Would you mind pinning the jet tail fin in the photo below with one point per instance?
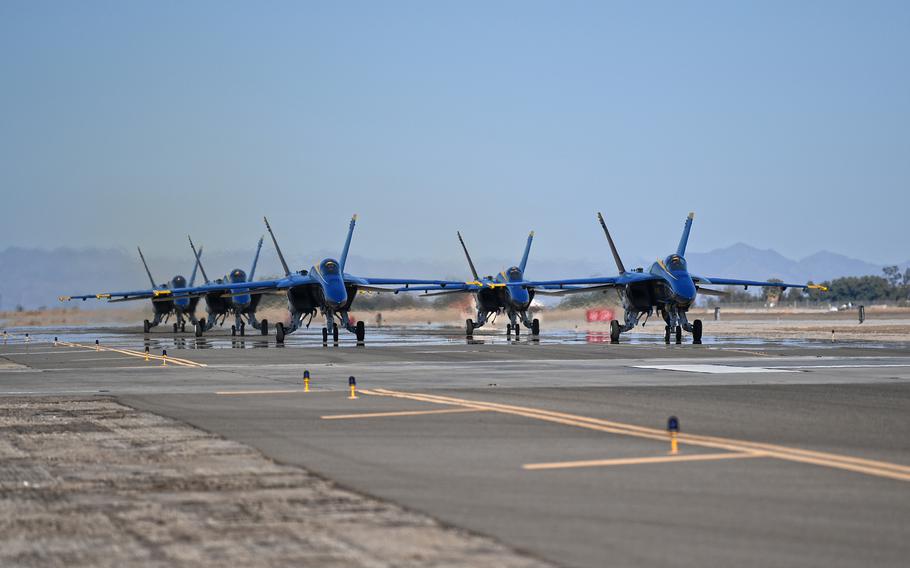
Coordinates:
(284, 265)
(195, 266)
(468, 255)
(147, 271)
(255, 260)
(684, 240)
(347, 243)
(524, 258)
(619, 265)
(198, 255)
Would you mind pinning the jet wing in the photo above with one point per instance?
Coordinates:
(154, 294)
(407, 282)
(758, 283)
(598, 281)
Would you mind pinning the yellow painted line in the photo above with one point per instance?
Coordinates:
(859, 465)
(402, 413)
(637, 461)
(230, 393)
(139, 354)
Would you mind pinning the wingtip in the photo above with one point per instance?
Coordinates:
(531, 234)
(354, 218)
(691, 215)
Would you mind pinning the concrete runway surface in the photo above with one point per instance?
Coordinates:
(791, 453)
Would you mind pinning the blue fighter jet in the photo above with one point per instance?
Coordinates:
(508, 292)
(163, 302)
(324, 288)
(668, 287)
(220, 302)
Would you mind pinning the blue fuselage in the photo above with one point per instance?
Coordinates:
(680, 289)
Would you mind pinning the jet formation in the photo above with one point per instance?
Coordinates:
(667, 288)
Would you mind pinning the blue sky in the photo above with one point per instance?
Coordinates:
(784, 125)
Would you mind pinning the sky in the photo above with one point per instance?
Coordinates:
(784, 125)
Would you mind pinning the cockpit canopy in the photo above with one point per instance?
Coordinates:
(237, 276)
(329, 266)
(514, 274)
(675, 262)
(178, 282)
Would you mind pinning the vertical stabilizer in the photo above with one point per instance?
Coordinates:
(468, 255)
(195, 266)
(619, 265)
(347, 243)
(198, 255)
(524, 257)
(684, 240)
(147, 271)
(255, 260)
(284, 265)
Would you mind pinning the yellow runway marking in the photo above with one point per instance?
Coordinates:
(859, 465)
(637, 461)
(402, 413)
(140, 354)
(229, 393)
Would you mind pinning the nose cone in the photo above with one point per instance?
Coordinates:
(182, 302)
(683, 290)
(241, 301)
(335, 294)
(520, 297)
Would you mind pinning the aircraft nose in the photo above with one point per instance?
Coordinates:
(684, 291)
(335, 295)
(519, 295)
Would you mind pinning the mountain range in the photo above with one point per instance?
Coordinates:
(34, 277)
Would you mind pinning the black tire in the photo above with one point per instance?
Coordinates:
(264, 327)
(517, 330)
(233, 330)
(696, 332)
(335, 334)
(176, 328)
(508, 330)
(183, 327)
(614, 331)
(325, 335)
(667, 334)
(198, 328)
(678, 335)
(361, 331)
(469, 327)
(242, 329)
(146, 326)
(279, 332)
(535, 327)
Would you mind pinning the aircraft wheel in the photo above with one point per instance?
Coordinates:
(335, 333)
(176, 328)
(614, 331)
(264, 327)
(279, 332)
(517, 330)
(242, 329)
(508, 330)
(325, 335)
(678, 335)
(696, 332)
(667, 335)
(361, 331)
(233, 330)
(146, 326)
(183, 327)
(198, 330)
(469, 327)
(535, 326)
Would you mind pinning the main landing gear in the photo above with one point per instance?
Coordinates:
(696, 332)
(279, 332)
(264, 327)
(146, 326)
(360, 331)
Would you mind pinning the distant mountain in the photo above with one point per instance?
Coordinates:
(35, 278)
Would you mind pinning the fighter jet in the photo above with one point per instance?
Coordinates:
(163, 302)
(667, 287)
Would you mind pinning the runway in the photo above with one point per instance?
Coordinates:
(791, 452)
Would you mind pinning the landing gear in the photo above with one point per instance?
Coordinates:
(325, 335)
(146, 326)
(614, 331)
(198, 330)
(508, 330)
(279, 332)
(667, 335)
(678, 335)
(535, 327)
(233, 330)
(335, 334)
(696, 332)
(264, 327)
(517, 331)
(176, 328)
(360, 331)
(242, 329)
(469, 328)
